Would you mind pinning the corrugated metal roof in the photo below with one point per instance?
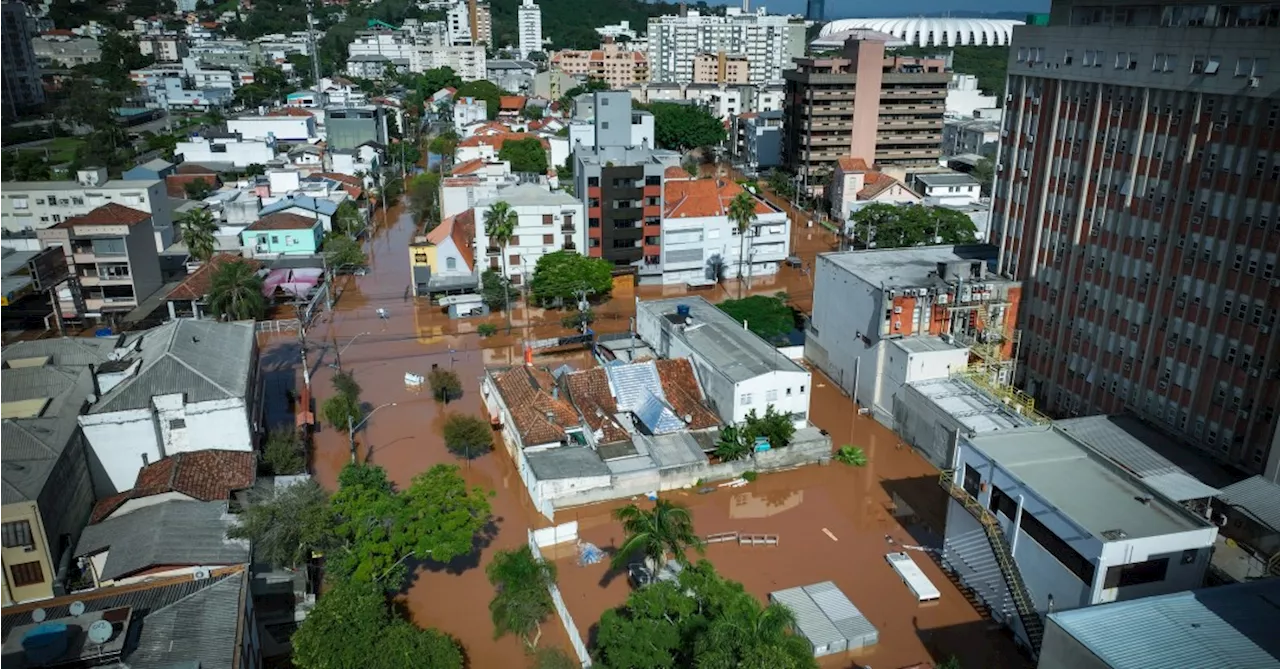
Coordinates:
(1123, 440)
(631, 384)
(846, 617)
(1179, 486)
(1230, 627)
(812, 623)
(657, 416)
(1258, 496)
(170, 533)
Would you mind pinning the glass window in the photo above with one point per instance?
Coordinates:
(27, 573)
(17, 534)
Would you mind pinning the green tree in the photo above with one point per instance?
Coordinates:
(890, 226)
(342, 412)
(766, 316)
(773, 425)
(423, 192)
(348, 220)
(197, 189)
(732, 444)
(340, 251)
(494, 290)
(577, 319)
(683, 127)
(482, 89)
(286, 526)
(742, 213)
(665, 529)
(352, 626)
(499, 225)
(235, 292)
(445, 385)
(344, 383)
(252, 95)
(985, 173)
(284, 453)
(467, 436)
(26, 166)
(522, 596)
(302, 69)
(852, 456)
(558, 277)
(554, 658)
(444, 144)
(748, 635)
(197, 228)
(525, 155)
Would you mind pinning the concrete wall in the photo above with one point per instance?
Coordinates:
(1061, 651)
(843, 307)
(283, 128)
(925, 426)
(40, 553)
(144, 263)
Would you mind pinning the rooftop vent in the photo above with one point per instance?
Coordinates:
(1115, 535)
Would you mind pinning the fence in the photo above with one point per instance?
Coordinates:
(288, 324)
(572, 629)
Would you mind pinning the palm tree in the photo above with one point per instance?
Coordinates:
(522, 600)
(747, 631)
(742, 213)
(667, 528)
(499, 225)
(236, 292)
(197, 228)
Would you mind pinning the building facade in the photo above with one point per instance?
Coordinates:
(111, 251)
(546, 222)
(615, 66)
(700, 245)
(1139, 176)
(768, 42)
(721, 68)
(28, 207)
(529, 26)
(21, 75)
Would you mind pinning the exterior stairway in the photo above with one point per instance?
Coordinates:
(1024, 606)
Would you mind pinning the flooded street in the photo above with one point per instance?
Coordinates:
(896, 495)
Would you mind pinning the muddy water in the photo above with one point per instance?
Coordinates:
(404, 437)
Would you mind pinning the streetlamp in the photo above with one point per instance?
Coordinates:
(351, 429)
(338, 366)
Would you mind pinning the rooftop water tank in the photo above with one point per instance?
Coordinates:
(45, 644)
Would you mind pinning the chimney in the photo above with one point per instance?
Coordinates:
(528, 356)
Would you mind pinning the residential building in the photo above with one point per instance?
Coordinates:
(1227, 626)
(758, 139)
(622, 187)
(48, 493)
(310, 206)
(472, 182)
(21, 74)
(467, 111)
(855, 185)
(970, 135)
(238, 152)
(595, 112)
(487, 146)
(964, 98)
(363, 160)
(617, 30)
(65, 53)
(613, 65)
(193, 176)
(739, 371)
(190, 299)
(768, 42)
(374, 66)
(1037, 523)
(529, 28)
(280, 234)
(350, 127)
(29, 206)
(515, 76)
(547, 221)
(553, 84)
(947, 188)
(470, 23)
(467, 60)
(143, 619)
(174, 92)
(388, 47)
(187, 385)
(885, 110)
(164, 47)
(112, 256)
(720, 68)
(510, 106)
(876, 311)
(443, 260)
(299, 127)
(722, 100)
(700, 246)
(1146, 228)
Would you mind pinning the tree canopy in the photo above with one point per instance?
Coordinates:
(286, 525)
(235, 292)
(683, 127)
(467, 436)
(767, 316)
(890, 226)
(559, 276)
(482, 89)
(526, 155)
(342, 251)
(522, 599)
(423, 190)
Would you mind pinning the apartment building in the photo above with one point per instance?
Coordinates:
(769, 43)
(978, 136)
(111, 252)
(470, 23)
(529, 26)
(21, 75)
(613, 65)
(964, 98)
(700, 245)
(721, 68)
(397, 46)
(886, 110)
(468, 61)
(29, 206)
(1139, 176)
(546, 221)
(594, 112)
(165, 47)
(757, 138)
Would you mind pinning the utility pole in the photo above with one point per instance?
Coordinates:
(315, 56)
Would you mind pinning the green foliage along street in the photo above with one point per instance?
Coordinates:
(558, 277)
(891, 226)
(235, 292)
(522, 600)
(525, 155)
(658, 534)
(482, 89)
(467, 436)
(340, 251)
(683, 127)
(769, 317)
(422, 192)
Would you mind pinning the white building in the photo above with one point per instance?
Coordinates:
(582, 130)
(471, 182)
(470, 23)
(187, 385)
(395, 46)
(970, 135)
(529, 19)
(547, 221)
(467, 61)
(617, 30)
(855, 185)
(28, 206)
(467, 111)
(948, 188)
(1079, 529)
(361, 160)
(769, 43)
(701, 246)
(739, 371)
(283, 128)
(238, 152)
(964, 97)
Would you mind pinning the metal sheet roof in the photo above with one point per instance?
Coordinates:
(1179, 486)
(1126, 442)
(169, 533)
(1258, 496)
(846, 617)
(812, 623)
(1229, 627)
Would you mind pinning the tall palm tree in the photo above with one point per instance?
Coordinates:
(236, 292)
(742, 213)
(667, 528)
(197, 228)
(499, 225)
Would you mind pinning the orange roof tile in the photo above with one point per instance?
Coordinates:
(468, 167)
(539, 415)
(283, 221)
(703, 197)
(108, 214)
(461, 228)
(511, 102)
(875, 183)
(208, 476)
(590, 393)
(289, 111)
(851, 164)
(496, 141)
(198, 283)
(680, 385)
(676, 172)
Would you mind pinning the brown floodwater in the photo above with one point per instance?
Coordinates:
(404, 436)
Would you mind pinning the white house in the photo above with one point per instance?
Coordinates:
(187, 385)
(467, 111)
(292, 127)
(362, 160)
(238, 152)
(700, 245)
(855, 185)
(739, 371)
(471, 182)
(953, 188)
(548, 221)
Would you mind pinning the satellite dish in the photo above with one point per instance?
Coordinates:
(100, 632)
(201, 573)
(76, 608)
(39, 615)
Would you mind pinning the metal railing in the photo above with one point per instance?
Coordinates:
(1025, 606)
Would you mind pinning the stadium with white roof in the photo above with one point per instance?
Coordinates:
(925, 31)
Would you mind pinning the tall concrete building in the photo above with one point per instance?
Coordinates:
(1138, 197)
(615, 66)
(814, 10)
(529, 16)
(22, 89)
(768, 42)
(470, 23)
(885, 110)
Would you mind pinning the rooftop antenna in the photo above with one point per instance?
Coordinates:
(76, 608)
(100, 632)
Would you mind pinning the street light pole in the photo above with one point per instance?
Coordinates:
(338, 354)
(351, 430)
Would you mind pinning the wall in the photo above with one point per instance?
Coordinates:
(843, 307)
(1177, 578)
(18, 555)
(925, 426)
(67, 500)
(240, 154)
(144, 264)
(787, 392)
(277, 242)
(1061, 651)
(283, 128)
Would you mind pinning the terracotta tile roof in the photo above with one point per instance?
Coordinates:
(458, 182)
(207, 476)
(338, 176)
(461, 228)
(289, 111)
(540, 417)
(175, 185)
(851, 164)
(283, 221)
(198, 283)
(497, 140)
(468, 167)
(875, 183)
(511, 102)
(590, 392)
(685, 395)
(676, 172)
(193, 168)
(108, 214)
(703, 197)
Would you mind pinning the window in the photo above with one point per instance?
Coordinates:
(1244, 67)
(1138, 573)
(107, 247)
(27, 573)
(178, 424)
(972, 481)
(548, 239)
(513, 260)
(275, 239)
(801, 390)
(1052, 543)
(593, 181)
(1068, 57)
(19, 203)
(1211, 67)
(451, 264)
(17, 534)
(745, 399)
(771, 396)
(604, 125)
(547, 219)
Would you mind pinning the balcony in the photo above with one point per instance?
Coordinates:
(492, 250)
(568, 227)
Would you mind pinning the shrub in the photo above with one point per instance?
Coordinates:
(445, 385)
(486, 330)
(284, 453)
(467, 436)
(750, 475)
(578, 319)
(852, 456)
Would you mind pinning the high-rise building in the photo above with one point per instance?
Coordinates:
(768, 42)
(1138, 196)
(814, 10)
(885, 110)
(530, 26)
(22, 89)
(615, 66)
(721, 68)
(470, 23)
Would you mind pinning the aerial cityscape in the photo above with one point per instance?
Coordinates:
(640, 334)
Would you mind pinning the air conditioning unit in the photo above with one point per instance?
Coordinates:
(1264, 329)
(1275, 283)
(1157, 209)
(1197, 220)
(897, 325)
(897, 310)
(1163, 384)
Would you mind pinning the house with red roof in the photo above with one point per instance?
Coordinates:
(701, 244)
(443, 259)
(855, 184)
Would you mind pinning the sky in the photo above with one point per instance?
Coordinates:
(839, 9)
